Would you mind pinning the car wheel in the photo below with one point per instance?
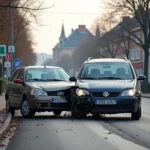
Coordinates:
(57, 112)
(74, 110)
(9, 108)
(25, 109)
(82, 115)
(96, 115)
(136, 115)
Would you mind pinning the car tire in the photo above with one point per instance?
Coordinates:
(25, 109)
(74, 109)
(96, 115)
(57, 113)
(82, 115)
(9, 109)
(137, 115)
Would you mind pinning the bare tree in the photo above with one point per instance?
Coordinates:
(125, 43)
(109, 45)
(139, 9)
(87, 48)
(105, 22)
(65, 62)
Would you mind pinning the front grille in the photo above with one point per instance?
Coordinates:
(106, 107)
(100, 94)
(54, 93)
(42, 105)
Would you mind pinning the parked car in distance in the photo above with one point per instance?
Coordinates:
(37, 89)
(107, 86)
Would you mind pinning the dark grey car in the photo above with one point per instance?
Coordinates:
(38, 89)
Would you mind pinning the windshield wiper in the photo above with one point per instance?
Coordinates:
(36, 79)
(54, 80)
(88, 78)
(112, 78)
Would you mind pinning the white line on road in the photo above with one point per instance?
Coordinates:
(116, 140)
(146, 116)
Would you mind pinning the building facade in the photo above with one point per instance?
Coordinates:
(67, 45)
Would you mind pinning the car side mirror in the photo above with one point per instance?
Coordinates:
(72, 79)
(141, 77)
(18, 81)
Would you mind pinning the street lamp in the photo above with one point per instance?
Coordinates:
(11, 32)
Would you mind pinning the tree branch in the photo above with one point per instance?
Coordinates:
(26, 8)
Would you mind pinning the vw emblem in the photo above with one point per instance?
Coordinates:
(105, 94)
(60, 93)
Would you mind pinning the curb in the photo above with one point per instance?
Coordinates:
(5, 126)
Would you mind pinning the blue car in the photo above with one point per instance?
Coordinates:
(107, 86)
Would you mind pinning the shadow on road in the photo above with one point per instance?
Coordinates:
(69, 117)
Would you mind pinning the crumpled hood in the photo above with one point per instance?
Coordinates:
(109, 85)
(51, 86)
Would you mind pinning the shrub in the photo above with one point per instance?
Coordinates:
(2, 85)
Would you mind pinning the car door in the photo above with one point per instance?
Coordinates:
(19, 88)
(10, 90)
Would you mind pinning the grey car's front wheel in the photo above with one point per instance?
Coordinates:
(26, 110)
(57, 113)
(9, 108)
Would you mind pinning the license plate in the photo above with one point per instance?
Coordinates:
(105, 102)
(59, 100)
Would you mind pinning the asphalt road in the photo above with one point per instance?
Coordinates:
(116, 132)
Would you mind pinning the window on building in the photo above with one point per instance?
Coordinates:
(132, 54)
(139, 71)
(138, 35)
(137, 53)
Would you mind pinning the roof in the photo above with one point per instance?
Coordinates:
(127, 25)
(106, 60)
(62, 32)
(74, 39)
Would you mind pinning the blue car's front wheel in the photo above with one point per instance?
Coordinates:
(137, 115)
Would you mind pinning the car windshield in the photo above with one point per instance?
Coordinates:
(107, 70)
(46, 74)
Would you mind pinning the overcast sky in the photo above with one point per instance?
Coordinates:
(47, 36)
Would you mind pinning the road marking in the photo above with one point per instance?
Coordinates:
(116, 140)
(146, 116)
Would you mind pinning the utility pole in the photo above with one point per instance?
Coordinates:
(11, 33)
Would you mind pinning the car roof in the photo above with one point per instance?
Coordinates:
(27, 67)
(106, 60)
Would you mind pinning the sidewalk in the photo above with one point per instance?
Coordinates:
(2, 102)
(5, 118)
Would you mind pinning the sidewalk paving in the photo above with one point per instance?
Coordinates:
(5, 118)
(2, 102)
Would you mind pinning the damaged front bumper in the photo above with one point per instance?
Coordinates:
(122, 105)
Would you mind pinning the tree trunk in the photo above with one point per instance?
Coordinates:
(145, 88)
(128, 55)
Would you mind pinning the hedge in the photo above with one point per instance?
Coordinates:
(2, 85)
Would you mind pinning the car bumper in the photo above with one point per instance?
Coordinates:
(44, 103)
(123, 105)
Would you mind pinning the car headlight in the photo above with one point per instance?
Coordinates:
(38, 92)
(130, 92)
(81, 92)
